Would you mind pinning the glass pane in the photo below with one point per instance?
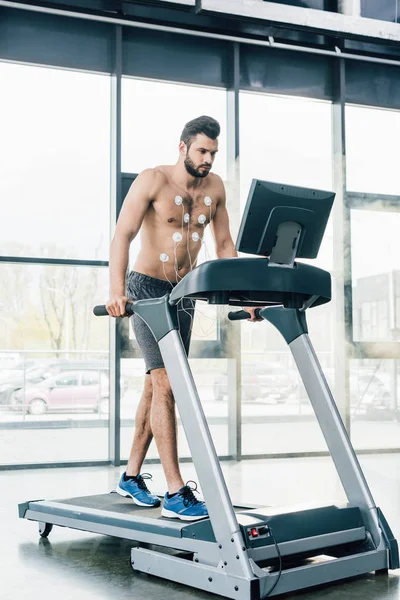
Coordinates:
(154, 115)
(372, 150)
(90, 378)
(292, 145)
(66, 380)
(54, 162)
(384, 10)
(277, 416)
(374, 390)
(205, 325)
(287, 140)
(49, 341)
(317, 4)
(376, 275)
(211, 380)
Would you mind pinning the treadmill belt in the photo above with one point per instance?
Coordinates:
(115, 503)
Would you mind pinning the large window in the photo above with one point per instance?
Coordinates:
(55, 157)
(285, 140)
(55, 204)
(54, 163)
(153, 116)
(372, 170)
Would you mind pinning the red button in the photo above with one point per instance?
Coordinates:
(254, 532)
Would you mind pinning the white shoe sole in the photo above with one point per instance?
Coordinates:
(170, 514)
(126, 494)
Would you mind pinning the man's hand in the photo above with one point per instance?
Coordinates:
(116, 306)
(251, 310)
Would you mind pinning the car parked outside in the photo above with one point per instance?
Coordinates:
(71, 391)
(370, 396)
(37, 372)
(263, 380)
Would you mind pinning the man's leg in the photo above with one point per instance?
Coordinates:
(164, 428)
(180, 501)
(143, 434)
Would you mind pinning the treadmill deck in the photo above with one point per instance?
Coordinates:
(112, 514)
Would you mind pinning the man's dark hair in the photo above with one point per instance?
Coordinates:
(206, 125)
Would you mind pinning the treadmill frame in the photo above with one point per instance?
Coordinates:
(226, 567)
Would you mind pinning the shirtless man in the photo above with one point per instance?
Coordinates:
(180, 199)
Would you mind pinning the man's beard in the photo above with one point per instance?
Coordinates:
(192, 170)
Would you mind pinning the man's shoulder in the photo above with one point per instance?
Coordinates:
(215, 182)
(217, 177)
(154, 174)
(153, 179)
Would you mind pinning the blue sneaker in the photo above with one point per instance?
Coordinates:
(184, 505)
(137, 490)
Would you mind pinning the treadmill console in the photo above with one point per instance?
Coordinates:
(283, 222)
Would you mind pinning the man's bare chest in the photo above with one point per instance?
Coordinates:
(177, 210)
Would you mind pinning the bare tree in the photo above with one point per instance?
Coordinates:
(15, 279)
(71, 289)
(53, 303)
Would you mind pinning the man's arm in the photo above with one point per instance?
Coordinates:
(224, 244)
(130, 219)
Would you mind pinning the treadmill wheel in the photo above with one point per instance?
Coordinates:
(45, 529)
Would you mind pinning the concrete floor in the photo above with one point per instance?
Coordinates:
(72, 564)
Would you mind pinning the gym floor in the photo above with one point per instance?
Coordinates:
(72, 564)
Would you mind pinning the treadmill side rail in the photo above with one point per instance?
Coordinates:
(335, 434)
(219, 504)
(124, 530)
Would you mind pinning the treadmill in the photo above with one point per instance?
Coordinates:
(247, 552)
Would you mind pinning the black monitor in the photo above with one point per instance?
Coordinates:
(283, 222)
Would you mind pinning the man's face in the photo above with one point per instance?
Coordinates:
(200, 156)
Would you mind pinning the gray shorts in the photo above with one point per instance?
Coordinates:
(140, 287)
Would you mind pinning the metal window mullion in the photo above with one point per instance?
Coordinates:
(67, 262)
(378, 202)
(54, 465)
(114, 438)
(234, 337)
(350, 7)
(341, 242)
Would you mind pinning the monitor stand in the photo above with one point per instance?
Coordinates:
(287, 241)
